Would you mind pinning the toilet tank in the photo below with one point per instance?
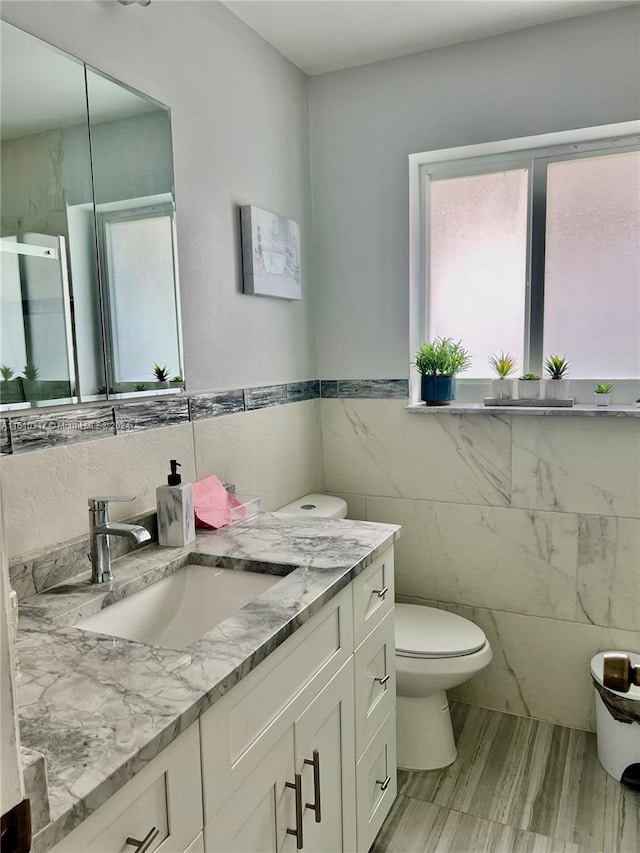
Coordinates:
(314, 506)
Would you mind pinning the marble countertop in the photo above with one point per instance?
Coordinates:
(100, 708)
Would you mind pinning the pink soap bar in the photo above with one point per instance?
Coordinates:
(213, 505)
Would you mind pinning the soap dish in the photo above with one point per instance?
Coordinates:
(208, 518)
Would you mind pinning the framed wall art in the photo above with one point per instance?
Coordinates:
(270, 254)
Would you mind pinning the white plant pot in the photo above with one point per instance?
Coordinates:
(163, 383)
(556, 389)
(602, 399)
(504, 389)
(529, 389)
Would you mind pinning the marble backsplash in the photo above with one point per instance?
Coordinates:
(43, 569)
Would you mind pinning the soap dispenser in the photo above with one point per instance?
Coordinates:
(176, 521)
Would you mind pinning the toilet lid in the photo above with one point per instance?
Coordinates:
(597, 670)
(429, 633)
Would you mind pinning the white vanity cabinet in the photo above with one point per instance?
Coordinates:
(281, 740)
(299, 755)
(316, 720)
(161, 808)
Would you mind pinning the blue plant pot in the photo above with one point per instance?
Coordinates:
(437, 390)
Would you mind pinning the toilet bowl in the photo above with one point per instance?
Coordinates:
(435, 651)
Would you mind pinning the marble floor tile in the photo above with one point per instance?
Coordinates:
(414, 826)
(529, 776)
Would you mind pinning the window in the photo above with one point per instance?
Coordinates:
(140, 300)
(531, 250)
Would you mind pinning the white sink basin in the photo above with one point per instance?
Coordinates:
(181, 608)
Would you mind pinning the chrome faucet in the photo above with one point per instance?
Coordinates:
(100, 529)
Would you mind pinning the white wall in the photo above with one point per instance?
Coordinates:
(240, 134)
(366, 121)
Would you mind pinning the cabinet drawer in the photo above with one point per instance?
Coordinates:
(375, 681)
(372, 596)
(166, 795)
(376, 783)
(238, 731)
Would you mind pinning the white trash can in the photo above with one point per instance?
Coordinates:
(617, 724)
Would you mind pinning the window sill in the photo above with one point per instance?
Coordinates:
(577, 411)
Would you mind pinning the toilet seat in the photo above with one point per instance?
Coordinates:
(426, 632)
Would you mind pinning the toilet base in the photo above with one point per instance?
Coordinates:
(424, 732)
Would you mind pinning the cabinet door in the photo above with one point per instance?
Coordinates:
(325, 756)
(256, 817)
(162, 803)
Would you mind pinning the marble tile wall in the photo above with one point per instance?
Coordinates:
(272, 452)
(528, 526)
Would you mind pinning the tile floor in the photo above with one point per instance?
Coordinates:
(517, 786)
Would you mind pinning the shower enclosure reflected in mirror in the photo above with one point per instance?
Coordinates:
(89, 289)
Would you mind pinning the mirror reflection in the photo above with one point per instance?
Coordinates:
(45, 167)
(89, 295)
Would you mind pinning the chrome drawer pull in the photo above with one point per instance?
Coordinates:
(383, 681)
(315, 805)
(147, 841)
(297, 787)
(380, 592)
(384, 784)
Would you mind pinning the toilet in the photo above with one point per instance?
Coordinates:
(435, 651)
(315, 506)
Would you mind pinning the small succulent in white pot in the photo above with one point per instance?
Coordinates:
(602, 393)
(529, 387)
(503, 388)
(557, 384)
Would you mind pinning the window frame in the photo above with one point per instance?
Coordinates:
(533, 153)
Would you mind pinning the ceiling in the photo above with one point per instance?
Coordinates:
(327, 35)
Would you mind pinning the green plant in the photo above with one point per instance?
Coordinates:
(603, 388)
(177, 379)
(556, 366)
(141, 387)
(529, 376)
(503, 364)
(161, 372)
(7, 372)
(442, 357)
(30, 372)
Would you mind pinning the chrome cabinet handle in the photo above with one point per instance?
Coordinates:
(384, 783)
(380, 592)
(383, 681)
(297, 787)
(147, 841)
(315, 805)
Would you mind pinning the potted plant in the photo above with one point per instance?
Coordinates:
(9, 392)
(504, 365)
(438, 362)
(602, 393)
(177, 381)
(557, 385)
(29, 380)
(529, 387)
(161, 372)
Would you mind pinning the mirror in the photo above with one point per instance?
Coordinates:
(89, 299)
